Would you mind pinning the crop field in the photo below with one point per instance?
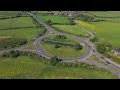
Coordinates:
(75, 29)
(54, 19)
(25, 67)
(105, 30)
(18, 28)
(64, 51)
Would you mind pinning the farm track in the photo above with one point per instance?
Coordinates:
(115, 68)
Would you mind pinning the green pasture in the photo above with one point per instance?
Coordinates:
(5, 14)
(19, 28)
(71, 29)
(54, 19)
(105, 30)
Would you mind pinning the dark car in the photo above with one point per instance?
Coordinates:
(107, 62)
(93, 50)
(89, 46)
(102, 57)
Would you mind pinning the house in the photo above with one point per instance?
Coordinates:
(116, 51)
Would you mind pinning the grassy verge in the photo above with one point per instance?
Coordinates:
(31, 47)
(24, 67)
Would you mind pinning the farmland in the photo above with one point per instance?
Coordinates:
(19, 28)
(6, 14)
(105, 30)
(54, 19)
(107, 14)
(25, 67)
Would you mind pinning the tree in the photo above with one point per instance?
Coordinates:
(57, 45)
(78, 46)
(54, 60)
(49, 21)
(103, 46)
(72, 22)
(94, 39)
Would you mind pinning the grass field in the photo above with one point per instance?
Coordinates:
(64, 51)
(111, 16)
(4, 14)
(26, 68)
(54, 19)
(19, 28)
(16, 23)
(106, 14)
(105, 30)
(75, 30)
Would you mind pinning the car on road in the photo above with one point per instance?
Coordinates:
(93, 50)
(107, 62)
(102, 57)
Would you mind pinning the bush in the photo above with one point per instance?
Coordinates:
(85, 17)
(103, 46)
(49, 21)
(94, 39)
(61, 36)
(12, 42)
(72, 22)
(78, 46)
(54, 60)
(57, 45)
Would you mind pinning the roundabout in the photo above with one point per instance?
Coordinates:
(66, 47)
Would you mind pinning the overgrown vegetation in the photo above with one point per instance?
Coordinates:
(94, 39)
(85, 17)
(33, 66)
(103, 46)
(12, 42)
(78, 46)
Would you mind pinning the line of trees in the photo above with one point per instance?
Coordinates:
(12, 42)
(54, 61)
